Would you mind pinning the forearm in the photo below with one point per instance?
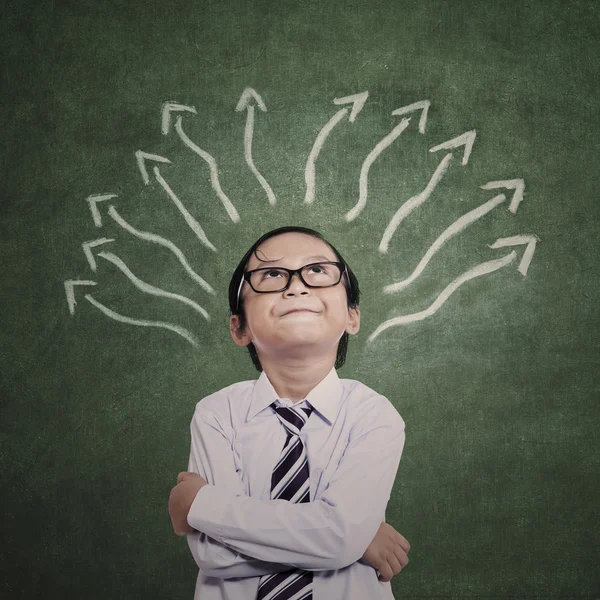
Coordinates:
(314, 536)
(217, 560)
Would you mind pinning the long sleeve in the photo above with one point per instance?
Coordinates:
(334, 530)
(211, 456)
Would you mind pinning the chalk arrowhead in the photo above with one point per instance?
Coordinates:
(422, 105)
(142, 157)
(530, 240)
(167, 109)
(93, 201)
(87, 250)
(466, 139)
(69, 290)
(249, 97)
(357, 101)
(512, 184)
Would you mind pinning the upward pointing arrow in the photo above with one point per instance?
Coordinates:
(357, 101)
(422, 105)
(247, 101)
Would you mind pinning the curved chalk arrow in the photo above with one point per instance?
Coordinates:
(69, 288)
(357, 101)
(144, 235)
(459, 225)
(477, 271)
(467, 140)
(184, 333)
(214, 171)
(142, 157)
(151, 289)
(246, 102)
(423, 106)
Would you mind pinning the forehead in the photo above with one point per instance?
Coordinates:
(291, 249)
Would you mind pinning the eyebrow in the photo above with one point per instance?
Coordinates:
(320, 257)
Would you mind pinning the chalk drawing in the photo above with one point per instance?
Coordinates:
(466, 140)
(461, 224)
(357, 101)
(423, 106)
(246, 102)
(214, 171)
(478, 271)
(144, 235)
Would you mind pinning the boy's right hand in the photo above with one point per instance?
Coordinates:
(387, 552)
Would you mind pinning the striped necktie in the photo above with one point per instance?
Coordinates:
(290, 482)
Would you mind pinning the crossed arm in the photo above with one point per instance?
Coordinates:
(241, 536)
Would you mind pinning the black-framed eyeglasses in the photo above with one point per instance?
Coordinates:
(267, 280)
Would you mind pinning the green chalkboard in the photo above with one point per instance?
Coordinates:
(447, 149)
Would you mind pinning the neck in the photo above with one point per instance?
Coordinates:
(294, 380)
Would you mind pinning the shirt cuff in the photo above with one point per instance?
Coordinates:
(206, 511)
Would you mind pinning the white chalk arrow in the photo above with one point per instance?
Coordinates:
(423, 106)
(467, 140)
(93, 201)
(87, 250)
(519, 240)
(477, 271)
(214, 171)
(512, 184)
(189, 219)
(142, 157)
(148, 288)
(357, 101)
(70, 292)
(146, 236)
(184, 333)
(459, 225)
(247, 101)
(166, 111)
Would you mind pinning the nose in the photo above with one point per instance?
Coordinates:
(296, 286)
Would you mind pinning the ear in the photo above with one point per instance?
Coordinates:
(353, 324)
(239, 337)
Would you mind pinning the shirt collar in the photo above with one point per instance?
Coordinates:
(325, 397)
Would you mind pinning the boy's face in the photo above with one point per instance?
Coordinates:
(277, 333)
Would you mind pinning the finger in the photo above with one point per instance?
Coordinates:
(404, 543)
(401, 556)
(394, 564)
(385, 571)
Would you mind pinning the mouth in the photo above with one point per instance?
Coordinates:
(300, 311)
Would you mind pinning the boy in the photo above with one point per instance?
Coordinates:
(289, 475)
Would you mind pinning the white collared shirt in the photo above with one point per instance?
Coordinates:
(354, 440)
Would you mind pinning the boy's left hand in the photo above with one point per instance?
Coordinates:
(181, 498)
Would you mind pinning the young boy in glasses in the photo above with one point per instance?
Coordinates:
(289, 476)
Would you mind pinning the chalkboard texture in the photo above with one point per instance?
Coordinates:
(449, 150)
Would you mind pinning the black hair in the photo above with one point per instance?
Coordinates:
(351, 285)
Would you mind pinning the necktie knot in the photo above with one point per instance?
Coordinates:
(293, 418)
